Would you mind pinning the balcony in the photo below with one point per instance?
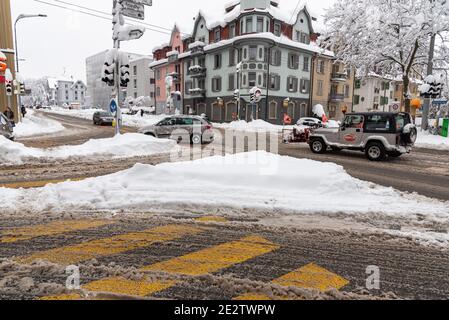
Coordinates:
(197, 92)
(197, 72)
(337, 97)
(339, 77)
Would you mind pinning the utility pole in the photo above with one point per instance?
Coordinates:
(427, 101)
(117, 21)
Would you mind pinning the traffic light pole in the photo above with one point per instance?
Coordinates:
(427, 101)
(117, 73)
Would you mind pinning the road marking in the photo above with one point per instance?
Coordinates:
(110, 246)
(198, 263)
(49, 229)
(36, 184)
(212, 219)
(310, 276)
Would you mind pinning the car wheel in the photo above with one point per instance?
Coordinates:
(411, 136)
(196, 139)
(375, 152)
(318, 146)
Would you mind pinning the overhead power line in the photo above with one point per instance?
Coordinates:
(96, 15)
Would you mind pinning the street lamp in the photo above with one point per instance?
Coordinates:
(20, 17)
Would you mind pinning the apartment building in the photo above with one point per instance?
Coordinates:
(374, 93)
(168, 74)
(273, 46)
(142, 82)
(333, 86)
(64, 91)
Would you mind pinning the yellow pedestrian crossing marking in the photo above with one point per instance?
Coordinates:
(310, 276)
(212, 219)
(36, 184)
(110, 246)
(49, 229)
(198, 263)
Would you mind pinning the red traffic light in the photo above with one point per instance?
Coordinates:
(3, 66)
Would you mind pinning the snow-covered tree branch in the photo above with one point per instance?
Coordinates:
(390, 36)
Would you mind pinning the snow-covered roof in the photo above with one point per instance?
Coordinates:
(162, 46)
(158, 63)
(141, 58)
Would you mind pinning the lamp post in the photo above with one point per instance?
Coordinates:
(20, 17)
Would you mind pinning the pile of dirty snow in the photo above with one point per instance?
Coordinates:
(429, 141)
(33, 125)
(253, 126)
(121, 146)
(256, 180)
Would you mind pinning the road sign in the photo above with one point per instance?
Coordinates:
(395, 107)
(133, 10)
(439, 102)
(113, 106)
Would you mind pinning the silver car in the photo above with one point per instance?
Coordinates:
(184, 129)
(6, 128)
(378, 134)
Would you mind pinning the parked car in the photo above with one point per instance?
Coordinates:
(310, 122)
(377, 134)
(6, 128)
(192, 129)
(103, 118)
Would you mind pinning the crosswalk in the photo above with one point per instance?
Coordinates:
(170, 273)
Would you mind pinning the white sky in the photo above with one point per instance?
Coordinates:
(62, 41)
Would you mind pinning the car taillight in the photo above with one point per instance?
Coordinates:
(209, 127)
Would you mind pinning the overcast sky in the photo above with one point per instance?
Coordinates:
(61, 42)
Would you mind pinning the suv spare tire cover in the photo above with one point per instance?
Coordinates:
(410, 134)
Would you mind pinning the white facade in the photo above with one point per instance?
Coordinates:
(141, 79)
(99, 93)
(373, 93)
(65, 91)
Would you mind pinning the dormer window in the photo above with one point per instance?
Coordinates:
(232, 31)
(277, 29)
(217, 34)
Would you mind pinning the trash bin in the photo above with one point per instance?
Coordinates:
(445, 131)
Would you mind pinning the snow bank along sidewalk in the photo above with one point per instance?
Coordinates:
(33, 125)
(260, 125)
(122, 146)
(428, 141)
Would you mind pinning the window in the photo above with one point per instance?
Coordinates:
(321, 66)
(293, 61)
(356, 99)
(347, 90)
(135, 70)
(135, 95)
(252, 78)
(135, 84)
(259, 24)
(232, 31)
(298, 36)
(188, 86)
(306, 64)
(276, 58)
(378, 123)
(354, 121)
(275, 82)
(358, 84)
(217, 61)
(261, 53)
(273, 110)
(292, 84)
(277, 29)
(158, 91)
(252, 53)
(231, 57)
(305, 38)
(231, 86)
(158, 74)
(178, 69)
(249, 25)
(216, 84)
(320, 88)
(305, 86)
(217, 34)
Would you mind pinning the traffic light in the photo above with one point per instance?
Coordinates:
(252, 97)
(108, 73)
(9, 88)
(124, 70)
(3, 66)
(21, 88)
(237, 95)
